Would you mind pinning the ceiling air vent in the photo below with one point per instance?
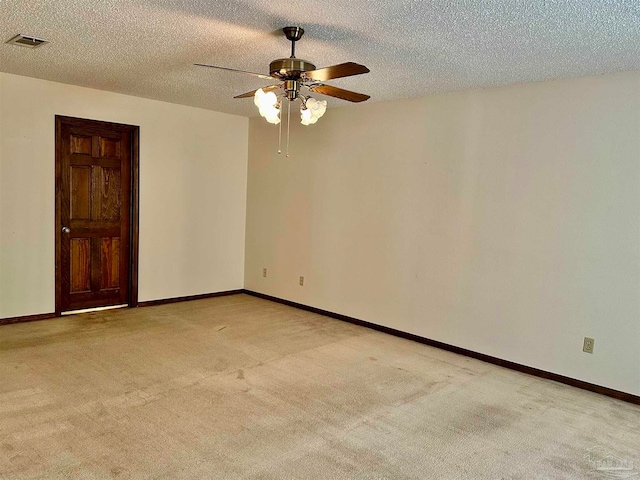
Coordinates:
(26, 41)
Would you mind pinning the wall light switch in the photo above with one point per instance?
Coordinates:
(302, 281)
(264, 272)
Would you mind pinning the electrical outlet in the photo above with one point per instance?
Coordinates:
(302, 281)
(587, 346)
(264, 272)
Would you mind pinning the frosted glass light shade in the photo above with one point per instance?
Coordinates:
(266, 103)
(305, 116)
(257, 97)
(321, 108)
(271, 113)
(317, 107)
(270, 98)
(264, 100)
(310, 121)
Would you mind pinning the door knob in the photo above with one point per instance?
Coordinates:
(66, 230)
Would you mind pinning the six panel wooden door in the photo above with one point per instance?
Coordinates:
(93, 186)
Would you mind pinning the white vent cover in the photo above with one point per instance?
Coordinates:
(26, 41)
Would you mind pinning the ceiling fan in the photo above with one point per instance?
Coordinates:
(295, 74)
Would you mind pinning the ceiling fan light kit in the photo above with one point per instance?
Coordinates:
(312, 110)
(268, 105)
(296, 74)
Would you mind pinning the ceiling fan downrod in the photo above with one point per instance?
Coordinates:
(293, 34)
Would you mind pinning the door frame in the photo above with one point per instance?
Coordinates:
(134, 203)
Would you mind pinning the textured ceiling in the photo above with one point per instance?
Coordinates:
(147, 47)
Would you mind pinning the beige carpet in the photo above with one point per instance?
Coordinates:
(238, 387)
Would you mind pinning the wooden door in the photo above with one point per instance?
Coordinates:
(94, 197)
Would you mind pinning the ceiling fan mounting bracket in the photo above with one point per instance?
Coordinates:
(293, 33)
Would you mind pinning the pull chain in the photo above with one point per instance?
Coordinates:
(288, 124)
(280, 134)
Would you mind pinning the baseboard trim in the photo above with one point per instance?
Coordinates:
(627, 397)
(26, 318)
(151, 303)
(164, 301)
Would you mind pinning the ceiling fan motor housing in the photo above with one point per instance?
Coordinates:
(290, 68)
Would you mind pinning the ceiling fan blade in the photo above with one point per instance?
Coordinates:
(259, 75)
(339, 93)
(336, 71)
(253, 92)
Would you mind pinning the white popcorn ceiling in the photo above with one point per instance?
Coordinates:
(414, 48)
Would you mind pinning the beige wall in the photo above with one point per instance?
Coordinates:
(192, 192)
(505, 221)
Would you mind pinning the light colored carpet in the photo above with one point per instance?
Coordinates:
(238, 387)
